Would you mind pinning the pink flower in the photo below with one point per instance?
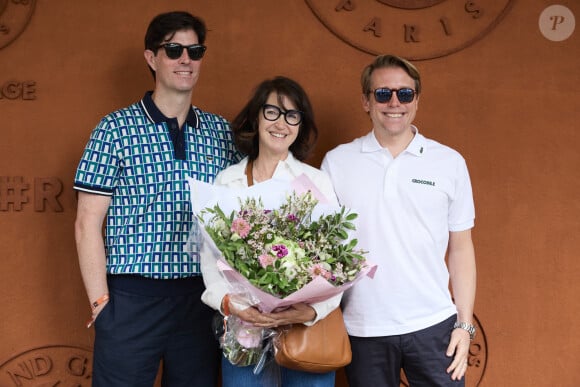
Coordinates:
(248, 335)
(317, 269)
(241, 227)
(266, 260)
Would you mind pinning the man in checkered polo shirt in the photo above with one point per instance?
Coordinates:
(144, 288)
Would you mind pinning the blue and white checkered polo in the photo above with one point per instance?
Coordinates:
(141, 159)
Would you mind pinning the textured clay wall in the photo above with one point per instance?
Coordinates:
(500, 86)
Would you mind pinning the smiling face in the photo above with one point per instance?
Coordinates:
(275, 137)
(175, 75)
(391, 120)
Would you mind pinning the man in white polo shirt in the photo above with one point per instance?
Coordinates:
(414, 200)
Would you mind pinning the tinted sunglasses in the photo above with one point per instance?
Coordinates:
(174, 50)
(404, 95)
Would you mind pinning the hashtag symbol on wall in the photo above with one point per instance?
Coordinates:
(13, 191)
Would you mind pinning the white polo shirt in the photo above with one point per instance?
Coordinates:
(407, 206)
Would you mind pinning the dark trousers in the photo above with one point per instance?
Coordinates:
(377, 361)
(148, 321)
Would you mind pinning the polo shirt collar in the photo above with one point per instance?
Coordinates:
(416, 147)
(156, 116)
(370, 143)
(418, 144)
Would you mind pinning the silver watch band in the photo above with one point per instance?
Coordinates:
(466, 326)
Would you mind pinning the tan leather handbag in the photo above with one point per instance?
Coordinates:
(319, 348)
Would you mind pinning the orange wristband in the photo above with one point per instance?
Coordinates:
(104, 298)
(226, 305)
(94, 305)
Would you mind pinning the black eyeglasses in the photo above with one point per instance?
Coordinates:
(272, 113)
(174, 50)
(404, 95)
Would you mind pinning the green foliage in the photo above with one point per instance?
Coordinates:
(281, 250)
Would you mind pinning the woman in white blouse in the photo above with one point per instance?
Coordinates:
(276, 129)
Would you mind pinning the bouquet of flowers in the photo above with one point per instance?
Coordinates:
(281, 250)
(278, 255)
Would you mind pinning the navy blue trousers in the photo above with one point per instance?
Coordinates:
(151, 322)
(377, 361)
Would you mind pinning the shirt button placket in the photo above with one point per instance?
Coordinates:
(390, 180)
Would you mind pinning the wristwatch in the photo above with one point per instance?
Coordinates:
(467, 326)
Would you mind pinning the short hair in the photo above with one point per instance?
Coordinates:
(169, 23)
(245, 125)
(385, 61)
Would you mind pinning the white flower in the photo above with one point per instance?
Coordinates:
(290, 268)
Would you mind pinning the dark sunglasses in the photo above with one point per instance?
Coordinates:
(404, 95)
(174, 50)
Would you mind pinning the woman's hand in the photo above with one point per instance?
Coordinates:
(295, 314)
(239, 306)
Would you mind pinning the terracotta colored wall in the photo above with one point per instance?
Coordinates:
(508, 102)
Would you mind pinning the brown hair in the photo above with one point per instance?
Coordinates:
(383, 61)
(245, 125)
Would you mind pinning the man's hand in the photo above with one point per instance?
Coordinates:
(459, 349)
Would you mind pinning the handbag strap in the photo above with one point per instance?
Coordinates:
(249, 174)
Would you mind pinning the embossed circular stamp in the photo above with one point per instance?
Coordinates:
(14, 17)
(57, 365)
(415, 29)
(477, 360)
